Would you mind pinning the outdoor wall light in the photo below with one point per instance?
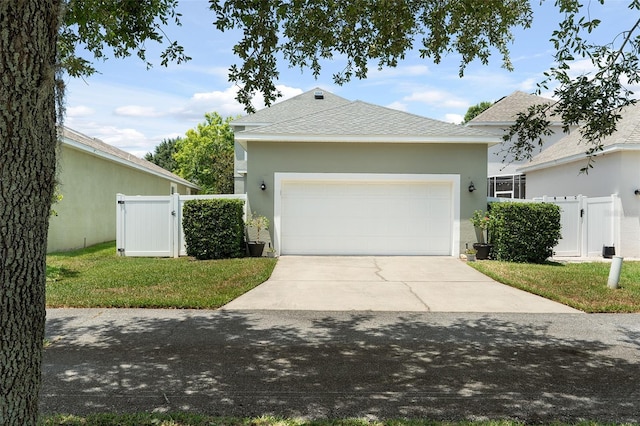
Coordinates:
(637, 192)
(472, 187)
(263, 186)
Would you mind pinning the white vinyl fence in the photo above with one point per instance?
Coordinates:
(587, 224)
(151, 226)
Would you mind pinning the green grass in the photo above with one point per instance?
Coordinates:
(97, 277)
(186, 419)
(580, 285)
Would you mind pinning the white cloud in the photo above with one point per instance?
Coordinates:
(127, 139)
(224, 103)
(439, 98)
(453, 118)
(137, 111)
(79, 111)
(528, 85)
(288, 91)
(580, 67)
(400, 106)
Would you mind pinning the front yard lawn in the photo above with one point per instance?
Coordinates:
(579, 285)
(96, 278)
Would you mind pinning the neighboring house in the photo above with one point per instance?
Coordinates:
(351, 178)
(90, 174)
(504, 179)
(555, 172)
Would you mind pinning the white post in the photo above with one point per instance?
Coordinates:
(177, 223)
(120, 231)
(614, 272)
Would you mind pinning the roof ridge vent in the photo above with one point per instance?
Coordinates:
(318, 94)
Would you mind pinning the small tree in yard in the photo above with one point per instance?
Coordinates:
(205, 155)
(524, 232)
(163, 154)
(476, 110)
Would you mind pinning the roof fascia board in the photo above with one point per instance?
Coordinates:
(250, 124)
(242, 139)
(502, 123)
(578, 157)
(105, 155)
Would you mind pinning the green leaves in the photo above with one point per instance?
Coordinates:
(591, 100)
(205, 155)
(476, 110)
(121, 26)
(307, 32)
(524, 232)
(163, 154)
(214, 229)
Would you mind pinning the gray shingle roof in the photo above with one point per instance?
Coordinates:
(357, 119)
(505, 109)
(627, 134)
(298, 106)
(99, 147)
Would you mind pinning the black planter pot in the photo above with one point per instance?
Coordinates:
(482, 250)
(608, 252)
(255, 248)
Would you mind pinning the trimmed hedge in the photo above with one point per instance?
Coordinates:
(214, 229)
(524, 232)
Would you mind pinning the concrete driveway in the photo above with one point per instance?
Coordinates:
(373, 283)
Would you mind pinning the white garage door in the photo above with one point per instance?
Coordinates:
(366, 218)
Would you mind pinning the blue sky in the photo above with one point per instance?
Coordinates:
(134, 109)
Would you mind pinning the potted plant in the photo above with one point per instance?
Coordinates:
(471, 254)
(271, 252)
(258, 223)
(481, 221)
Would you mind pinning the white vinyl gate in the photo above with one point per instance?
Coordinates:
(587, 224)
(151, 226)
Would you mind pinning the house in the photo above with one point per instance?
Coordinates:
(90, 174)
(556, 172)
(504, 179)
(340, 177)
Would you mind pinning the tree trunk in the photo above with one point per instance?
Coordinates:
(28, 37)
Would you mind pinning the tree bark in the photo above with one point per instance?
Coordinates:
(28, 37)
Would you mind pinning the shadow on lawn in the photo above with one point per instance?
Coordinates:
(335, 366)
(57, 273)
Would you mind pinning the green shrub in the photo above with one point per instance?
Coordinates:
(524, 232)
(214, 229)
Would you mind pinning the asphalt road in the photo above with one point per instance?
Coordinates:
(528, 367)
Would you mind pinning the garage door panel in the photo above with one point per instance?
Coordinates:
(349, 217)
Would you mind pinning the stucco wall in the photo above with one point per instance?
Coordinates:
(89, 184)
(615, 173)
(502, 164)
(467, 160)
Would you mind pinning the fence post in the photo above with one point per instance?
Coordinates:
(120, 224)
(616, 213)
(176, 222)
